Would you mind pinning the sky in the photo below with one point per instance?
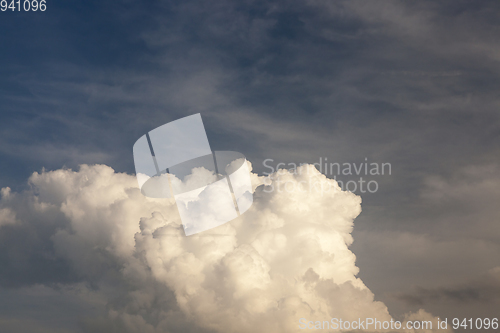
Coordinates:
(413, 84)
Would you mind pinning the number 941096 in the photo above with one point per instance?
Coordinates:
(23, 5)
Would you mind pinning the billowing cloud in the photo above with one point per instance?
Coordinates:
(285, 259)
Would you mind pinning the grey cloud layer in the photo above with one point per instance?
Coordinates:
(483, 290)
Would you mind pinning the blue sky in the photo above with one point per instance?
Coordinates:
(84, 80)
(414, 84)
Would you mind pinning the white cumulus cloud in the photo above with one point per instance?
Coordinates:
(286, 258)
